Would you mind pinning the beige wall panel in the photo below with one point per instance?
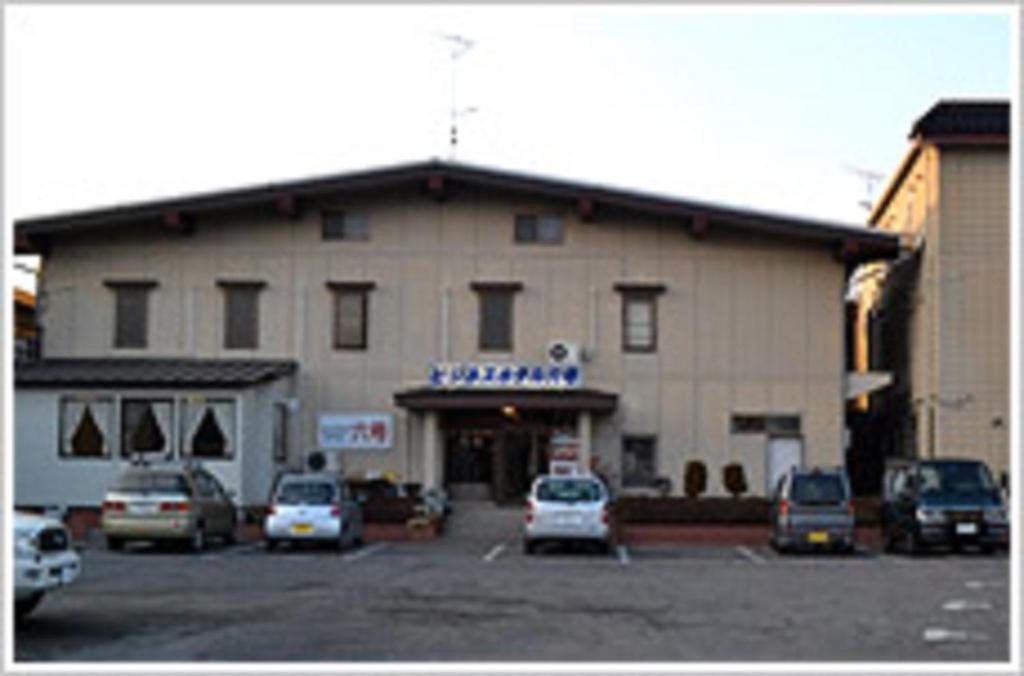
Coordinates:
(678, 433)
(677, 317)
(714, 318)
(751, 316)
(787, 334)
(713, 411)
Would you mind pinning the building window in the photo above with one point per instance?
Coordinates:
(241, 314)
(280, 432)
(146, 427)
(343, 225)
(85, 427)
(539, 229)
(639, 464)
(497, 323)
(777, 425)
(640, 316)
(208, 428)
(351, 314)
(131, 313)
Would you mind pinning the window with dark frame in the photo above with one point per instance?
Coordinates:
(639, 460)
(337, 224)
(780, 425)
(539, 229)
(85, 427)
(351, 314)
(146, 426)
(241, 314)
(640, 316)
(497, 308)
(131, 313)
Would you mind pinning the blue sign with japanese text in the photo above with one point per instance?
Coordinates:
(492, 375)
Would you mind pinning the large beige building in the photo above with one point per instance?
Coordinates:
(452, 325)
(939, 317)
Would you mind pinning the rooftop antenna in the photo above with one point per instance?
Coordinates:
(871, 179)
(458, 45)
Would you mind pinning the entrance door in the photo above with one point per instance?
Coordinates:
(512, 465)
(468, 462)
(783, 453)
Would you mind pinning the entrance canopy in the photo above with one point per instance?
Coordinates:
(429, 399)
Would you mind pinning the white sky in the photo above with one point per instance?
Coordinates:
(120, 104)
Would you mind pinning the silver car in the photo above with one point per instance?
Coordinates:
(315, 507)
(812, 509)
(44, 560)
(567, 508)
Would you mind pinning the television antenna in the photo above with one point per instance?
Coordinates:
(458, 45)
(871, 180)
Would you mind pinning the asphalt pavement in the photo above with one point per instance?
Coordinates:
(474, 595)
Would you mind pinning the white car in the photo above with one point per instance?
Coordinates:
(43, 560)
(567, 508)
(313, 507)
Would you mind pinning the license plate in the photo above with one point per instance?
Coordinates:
(143, 509)
(818, 537)
(966, 528)
(302, 528)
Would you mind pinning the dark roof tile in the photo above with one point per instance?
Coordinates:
(151, 372)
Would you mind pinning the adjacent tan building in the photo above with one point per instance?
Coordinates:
(448, 324)
(939, 317)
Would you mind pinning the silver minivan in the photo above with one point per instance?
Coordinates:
(314, 507)
(567, 508)
(812, 509)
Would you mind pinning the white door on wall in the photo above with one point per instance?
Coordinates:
(783, 453)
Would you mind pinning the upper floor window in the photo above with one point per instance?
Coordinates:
(640, 316)
(351, 314)
(497, 322)
(241, 314)
(539, 229)
(337, 224)
(131, 312)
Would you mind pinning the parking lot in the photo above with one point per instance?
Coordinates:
(474, 595)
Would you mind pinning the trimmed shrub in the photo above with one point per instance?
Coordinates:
(695, 480)
(734, 479)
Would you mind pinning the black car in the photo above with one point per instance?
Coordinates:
(948, 503)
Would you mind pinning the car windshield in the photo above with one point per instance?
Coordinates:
(818, 489)
(305, 493)
(955, 477)
(152, 482)
(568, 490)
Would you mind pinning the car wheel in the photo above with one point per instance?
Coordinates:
(888, 542)
(988, 549)
(115, 544)
(914, 544)
(529, 547)
(271, 544)
(197, 543)
(231, 537)
(25, 606)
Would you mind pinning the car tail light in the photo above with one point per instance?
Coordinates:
(783, 508)
(604, 514)
(529, 511)
(335, 510)
(113, 506)
(173, 506)
(850, 508)
(271, 510)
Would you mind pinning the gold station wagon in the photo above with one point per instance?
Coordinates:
(183, 503)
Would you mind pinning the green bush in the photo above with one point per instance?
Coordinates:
(695, 480)
(734, 479)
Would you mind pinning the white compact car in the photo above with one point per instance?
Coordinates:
(567, 508)
(43, 560)
(311, 508)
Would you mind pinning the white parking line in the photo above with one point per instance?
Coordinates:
(959, 605)
(981, 584)
(749, 555)
(942, 635)
(494, 553)
(363, 552)
(623, 554)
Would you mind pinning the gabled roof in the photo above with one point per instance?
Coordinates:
(150, 372)
(436, 176)
(949, 122)
(955, 117)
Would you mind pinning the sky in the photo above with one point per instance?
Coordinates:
(749, 107)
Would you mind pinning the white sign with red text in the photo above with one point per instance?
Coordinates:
(356, 431)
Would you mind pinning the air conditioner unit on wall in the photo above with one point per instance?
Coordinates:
(563, 352)
(323, 461)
